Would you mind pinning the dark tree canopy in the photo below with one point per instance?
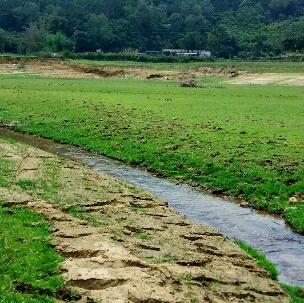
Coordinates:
(230, 28)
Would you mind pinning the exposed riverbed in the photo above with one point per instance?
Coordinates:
(267, 234)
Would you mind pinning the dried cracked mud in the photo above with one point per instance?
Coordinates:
(125, 245)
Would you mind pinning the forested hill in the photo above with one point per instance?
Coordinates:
(228, 28)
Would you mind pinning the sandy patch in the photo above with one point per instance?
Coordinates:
(262, 79)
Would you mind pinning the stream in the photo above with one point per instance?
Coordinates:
(267, 234)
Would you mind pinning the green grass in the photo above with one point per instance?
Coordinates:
(27, 184)
(244, 141)
(141, 235)
(28, 263)
(295, 293)
(261, 260)
(27, 260)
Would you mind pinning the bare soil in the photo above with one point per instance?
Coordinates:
(126, 245)
(269, 78)
(65, 69)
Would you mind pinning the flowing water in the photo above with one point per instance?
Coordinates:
(267, 234)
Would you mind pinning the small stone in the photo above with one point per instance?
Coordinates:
(127, 232)
(244, 204)
(292, 200)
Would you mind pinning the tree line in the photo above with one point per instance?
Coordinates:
(230, 28)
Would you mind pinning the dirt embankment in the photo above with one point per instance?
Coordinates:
(127, 246)
(65, 69)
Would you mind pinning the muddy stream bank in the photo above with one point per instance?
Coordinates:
(267, 234)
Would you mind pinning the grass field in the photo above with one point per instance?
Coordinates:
(244, 141)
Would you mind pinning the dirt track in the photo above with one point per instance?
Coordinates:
(136, 248)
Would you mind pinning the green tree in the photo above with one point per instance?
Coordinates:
(33, 38)
(99, 34)
(27, 13)
(279, 7)
(113, 8)
(222, 44)
(250, 18)
(193, 41)
(8, 42)
(56, 43)
(208, 10)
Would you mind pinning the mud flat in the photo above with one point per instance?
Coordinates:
(126, 245)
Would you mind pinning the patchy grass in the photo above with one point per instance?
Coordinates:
(294, 216)
(28, 263)
(295, 293)
(244, 141)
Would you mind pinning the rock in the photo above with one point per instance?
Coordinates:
(188, 83)
(244, 204)
(292, 200)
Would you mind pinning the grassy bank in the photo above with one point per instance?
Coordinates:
(296, 293)
(28, 263)
(244, 141)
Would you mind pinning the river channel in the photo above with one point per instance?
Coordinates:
(267, 234)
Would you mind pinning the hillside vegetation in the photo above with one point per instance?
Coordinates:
(232, 28)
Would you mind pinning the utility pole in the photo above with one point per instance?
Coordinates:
(74, 39)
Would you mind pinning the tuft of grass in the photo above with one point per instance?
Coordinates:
(9, 140)
(141, 235)
(29, 265)
(294, 216)
(27, 184)
(6, 173)
(295, 293)
(165, 258)
(80, 213)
